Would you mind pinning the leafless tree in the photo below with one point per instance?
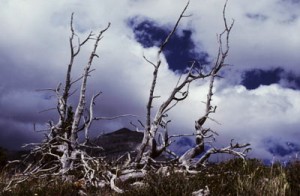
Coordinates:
(61, 154)
(156, 137)
(203, 134)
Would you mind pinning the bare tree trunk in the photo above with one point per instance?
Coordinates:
(203, 134)
(149, 142)
(60, 153)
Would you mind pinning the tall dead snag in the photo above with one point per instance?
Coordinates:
(155, 141)
(61, 154)
(148, 147)
(156, 137)
(203, 134)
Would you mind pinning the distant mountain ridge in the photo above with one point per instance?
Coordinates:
(124, 140)
(118, 142)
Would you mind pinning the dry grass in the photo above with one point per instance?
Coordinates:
(229, 178)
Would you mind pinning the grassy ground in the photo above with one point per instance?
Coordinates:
(229, 178)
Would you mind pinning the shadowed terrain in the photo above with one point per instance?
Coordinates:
(118, 142)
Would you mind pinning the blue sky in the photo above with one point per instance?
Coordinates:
(258, 98)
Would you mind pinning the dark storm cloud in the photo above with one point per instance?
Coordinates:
(147, 33)
(252, 79)
(180, 50)
(282, 148)
(291, 80)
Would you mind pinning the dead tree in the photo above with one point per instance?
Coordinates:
(61, 154)
(149, 147)
(206, 135)
(156, 137)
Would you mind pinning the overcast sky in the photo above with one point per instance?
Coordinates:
(258, 99)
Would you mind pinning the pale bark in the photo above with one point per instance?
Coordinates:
(149, 147)
(202, 134)
(60, 153)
